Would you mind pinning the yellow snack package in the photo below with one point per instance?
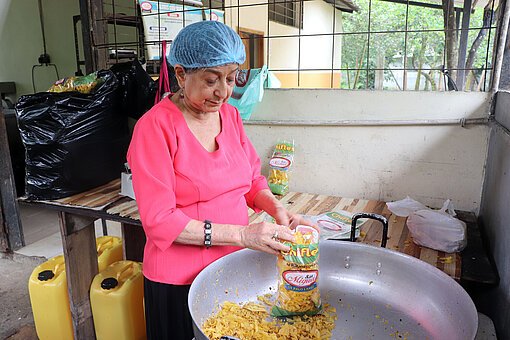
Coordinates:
(85, 84)
(279, 167)
(298, 276)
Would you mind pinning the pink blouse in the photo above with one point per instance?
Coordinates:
(175, 180)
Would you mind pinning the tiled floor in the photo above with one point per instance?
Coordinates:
(42, 232)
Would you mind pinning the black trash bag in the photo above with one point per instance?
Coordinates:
(73, 141)
(138, 89)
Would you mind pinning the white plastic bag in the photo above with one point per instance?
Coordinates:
(436, 229)
(405, 207)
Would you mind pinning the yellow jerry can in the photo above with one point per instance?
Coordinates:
(109, 250)
(116, 297)
(47, 287)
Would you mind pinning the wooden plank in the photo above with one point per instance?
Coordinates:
(89, 198)
(99, 34)
(310, 204)
(133, 242)
(123, 208)
(327, 205)
(127, 208)
(410, 248)
(429, 255)
(396, 226)
(322, 202)
(111, 186)
(11, 222)
(78, 238)
(85, 16)
(450, 263)
(297, 203)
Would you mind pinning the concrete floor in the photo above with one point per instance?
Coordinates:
(42, 239)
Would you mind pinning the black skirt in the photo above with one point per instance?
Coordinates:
(167, 314)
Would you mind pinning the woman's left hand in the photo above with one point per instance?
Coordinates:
(285, 217)
(266, 201)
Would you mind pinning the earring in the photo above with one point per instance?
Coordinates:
(182, 93)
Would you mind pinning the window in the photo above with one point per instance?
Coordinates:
(406, 45)
(399, 45)
(287, 12)
(216, 4)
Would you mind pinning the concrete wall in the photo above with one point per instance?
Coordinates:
(21, 42)
(429, 163)
(495, 214)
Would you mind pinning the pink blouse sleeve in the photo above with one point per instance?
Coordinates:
(149, 157)
(258, 182)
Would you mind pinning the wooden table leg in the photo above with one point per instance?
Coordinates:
(133, 242)
(79, 241)
(12, 236)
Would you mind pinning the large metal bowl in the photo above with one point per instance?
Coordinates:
(376, 291)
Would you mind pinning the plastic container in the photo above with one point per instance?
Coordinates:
(47, 287)
(109, 250)
(116, 297)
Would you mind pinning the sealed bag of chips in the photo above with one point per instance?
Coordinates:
(84, 84)
(279, 167)
(298, 276)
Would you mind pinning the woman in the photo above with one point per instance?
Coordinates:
(194, 174)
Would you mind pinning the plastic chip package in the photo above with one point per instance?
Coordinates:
(298, 276)
(84, 84)
(279, 167)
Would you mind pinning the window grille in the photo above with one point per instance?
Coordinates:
(348, 44)
(217, 4)
(286, 12)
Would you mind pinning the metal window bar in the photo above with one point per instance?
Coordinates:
(299, 18)
(290, 1)
(368, 41)
(299, 49)
(443, 60)
(488, 43)
(133, 43)
(404, 85)
(267, 38)
(114, 33)
(333, 46)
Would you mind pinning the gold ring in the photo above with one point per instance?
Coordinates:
(275, 234)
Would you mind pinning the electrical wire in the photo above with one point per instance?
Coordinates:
(41, 20)
(44, 56)
(41, 65)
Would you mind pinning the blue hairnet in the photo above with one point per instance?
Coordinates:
(206, 44)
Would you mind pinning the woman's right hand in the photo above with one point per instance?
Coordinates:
(266, 236)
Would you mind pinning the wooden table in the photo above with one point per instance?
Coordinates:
(399, 237)
(78, 213)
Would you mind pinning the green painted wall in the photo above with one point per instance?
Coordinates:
(21, 42)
